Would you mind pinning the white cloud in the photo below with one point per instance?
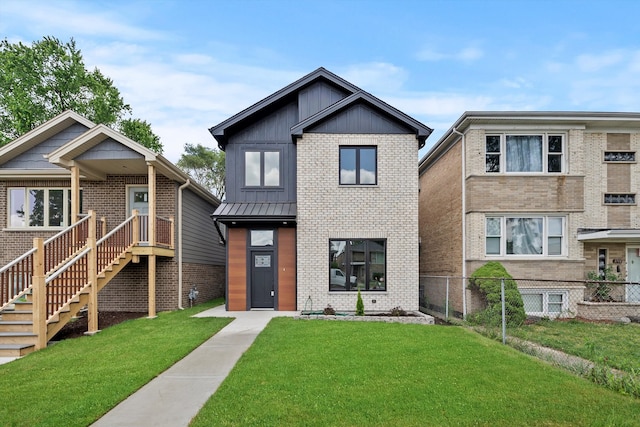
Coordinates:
(75, 18)
(375, 76)
(467, 54)
(515, 83)
(592, 63)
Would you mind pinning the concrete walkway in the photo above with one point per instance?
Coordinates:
(176, 396)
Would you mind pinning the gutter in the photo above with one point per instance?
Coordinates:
(464, 220)
(180, 189)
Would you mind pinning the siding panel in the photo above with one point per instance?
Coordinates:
(34, 158)
(287, 269)
(237, 270)
(200, 240)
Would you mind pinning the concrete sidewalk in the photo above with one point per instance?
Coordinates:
(176, 396)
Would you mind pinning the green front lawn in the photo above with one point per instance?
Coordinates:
(75, 382)
(616, 345)
(319, 373)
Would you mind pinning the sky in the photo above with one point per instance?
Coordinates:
(186, 65)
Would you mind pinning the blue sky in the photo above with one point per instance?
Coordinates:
(184, 66)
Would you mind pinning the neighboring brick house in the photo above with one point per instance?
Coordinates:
(551, 195)
(68, 166)
(322, 199)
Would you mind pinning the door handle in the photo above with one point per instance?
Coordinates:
(272, 293)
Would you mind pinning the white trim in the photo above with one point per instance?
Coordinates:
(545, 292)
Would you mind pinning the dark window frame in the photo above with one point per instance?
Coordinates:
(262, 169)
(370, 285)
(357, 149)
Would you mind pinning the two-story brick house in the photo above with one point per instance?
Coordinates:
(322, 199)
(551, 195)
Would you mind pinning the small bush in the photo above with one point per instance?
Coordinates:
(398, 311)
(359, 305)
(486, 280)
(328, 310)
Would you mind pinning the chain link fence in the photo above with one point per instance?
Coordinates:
(590, 327)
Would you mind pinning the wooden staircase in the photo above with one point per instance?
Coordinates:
(27, 325)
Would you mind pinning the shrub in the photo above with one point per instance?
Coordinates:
(359, 305)
(398, 311)
(328, 310)
(486, 280)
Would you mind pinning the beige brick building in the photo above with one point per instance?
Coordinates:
(550, 195)
(322, 200)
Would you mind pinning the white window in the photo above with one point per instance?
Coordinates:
(524, 236)
(39, 207)
(536, 153)
(544, 303)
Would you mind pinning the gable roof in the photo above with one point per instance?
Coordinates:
(223, 130)
(422, 131)
(72, 153)
(41, 133)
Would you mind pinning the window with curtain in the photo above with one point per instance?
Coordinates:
(530, 236)
(39, 207)
(542, 153)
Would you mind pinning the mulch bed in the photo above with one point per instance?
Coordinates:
(77, 328)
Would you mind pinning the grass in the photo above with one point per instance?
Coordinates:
(75, 382)
(615, 345)
(316, 373)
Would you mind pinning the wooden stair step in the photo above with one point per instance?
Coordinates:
(16, 350)
(17, 338)
(16, 326)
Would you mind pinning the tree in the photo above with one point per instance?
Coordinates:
(140, 131)
(205, 166)
(40, 81)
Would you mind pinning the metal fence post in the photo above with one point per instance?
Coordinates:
(504, 318)
(446, 303)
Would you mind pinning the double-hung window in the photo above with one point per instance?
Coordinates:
(262, 168)
(536, 153)
(358, 165)
(39, 207)
(530, 236)
(357, 264)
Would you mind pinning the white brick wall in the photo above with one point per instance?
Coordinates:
(327, 210)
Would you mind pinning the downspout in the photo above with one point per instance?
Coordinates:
(464, 223)
(182, 187)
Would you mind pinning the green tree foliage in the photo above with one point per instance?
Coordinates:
(40, 81)
(487, 280)
(206, 166)
(140, 131)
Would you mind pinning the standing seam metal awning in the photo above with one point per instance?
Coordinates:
(245, 212)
